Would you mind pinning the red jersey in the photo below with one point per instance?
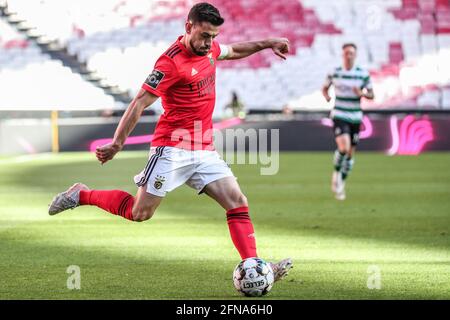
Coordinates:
(186, 84)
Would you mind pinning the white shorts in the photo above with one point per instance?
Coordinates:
(170, 167)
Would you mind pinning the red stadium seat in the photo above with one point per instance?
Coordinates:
(405, 32)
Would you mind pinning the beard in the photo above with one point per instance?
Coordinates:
(203, 51)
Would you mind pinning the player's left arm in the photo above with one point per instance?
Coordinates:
(279, 46)
(366, 91)
(369, 94)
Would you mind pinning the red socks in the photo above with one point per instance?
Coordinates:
(114, 201)
(242, 232)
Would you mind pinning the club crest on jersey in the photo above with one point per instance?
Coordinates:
(211, 60)
(159, 180)
(194, 72)
(154, 79)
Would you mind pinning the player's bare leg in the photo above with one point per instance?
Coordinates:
(145, 205)
(351, 152)
(228, 194)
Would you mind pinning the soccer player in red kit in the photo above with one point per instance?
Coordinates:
(182, 147)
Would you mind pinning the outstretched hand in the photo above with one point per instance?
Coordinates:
(280, 47)
(107, 152)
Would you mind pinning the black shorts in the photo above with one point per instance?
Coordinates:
(343, 127)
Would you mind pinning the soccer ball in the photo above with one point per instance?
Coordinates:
(253, 277)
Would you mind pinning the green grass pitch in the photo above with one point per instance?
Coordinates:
(396, 217)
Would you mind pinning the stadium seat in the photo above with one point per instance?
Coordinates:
(446, 98)
(23, 66)
(394, 37)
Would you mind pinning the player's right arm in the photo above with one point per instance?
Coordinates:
(126, 125)
(163, 76)
(326, 87)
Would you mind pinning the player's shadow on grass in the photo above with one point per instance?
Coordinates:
(39, 271)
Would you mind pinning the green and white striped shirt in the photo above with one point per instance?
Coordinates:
(348, 104)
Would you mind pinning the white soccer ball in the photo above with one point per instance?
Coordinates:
(253, 277)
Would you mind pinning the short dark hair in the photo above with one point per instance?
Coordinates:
(205, 12)
(349, 44)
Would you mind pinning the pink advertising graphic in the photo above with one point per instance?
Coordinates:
(411, 137)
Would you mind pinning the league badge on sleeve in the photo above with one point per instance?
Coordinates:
(154, 79)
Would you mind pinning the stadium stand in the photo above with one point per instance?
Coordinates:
(405, 44)
(31, 76)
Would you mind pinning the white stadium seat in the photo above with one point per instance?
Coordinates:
(121, 40)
